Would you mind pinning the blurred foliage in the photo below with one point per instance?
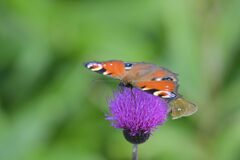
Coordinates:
(51, 107)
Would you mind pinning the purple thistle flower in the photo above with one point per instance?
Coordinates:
(136, 112)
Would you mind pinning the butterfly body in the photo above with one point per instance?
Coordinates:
(148, 77)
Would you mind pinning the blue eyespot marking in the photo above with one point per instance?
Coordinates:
(128, 65)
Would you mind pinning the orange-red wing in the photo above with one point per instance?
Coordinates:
(157, 85)
(159, 73)
(113, 68)
(164, 89)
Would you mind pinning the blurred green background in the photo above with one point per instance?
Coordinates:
(51, 107)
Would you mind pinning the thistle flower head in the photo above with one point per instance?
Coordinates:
(136, 112)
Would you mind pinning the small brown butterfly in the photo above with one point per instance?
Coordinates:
(150, 78)
(180, 107)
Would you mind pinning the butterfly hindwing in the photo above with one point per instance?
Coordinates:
(153, 79)
(164, 89)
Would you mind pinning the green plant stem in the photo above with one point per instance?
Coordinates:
(135, 152)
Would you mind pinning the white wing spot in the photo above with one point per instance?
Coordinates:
(105, 73)
(158, 79)
(144, 89)
(97, 68)
(179, 109)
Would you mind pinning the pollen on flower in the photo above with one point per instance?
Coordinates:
(136, 112)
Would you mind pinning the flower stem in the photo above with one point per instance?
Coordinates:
(135, 152)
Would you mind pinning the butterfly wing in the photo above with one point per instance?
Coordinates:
(155, 80)
(163, 89)
(180, 107)
(114, 68)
